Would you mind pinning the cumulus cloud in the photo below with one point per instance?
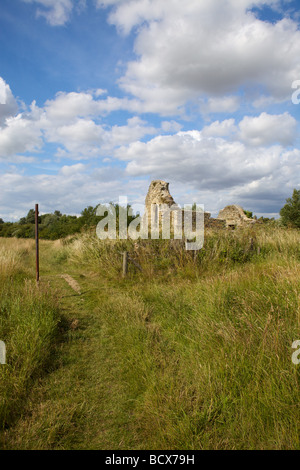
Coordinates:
(70, 120)
(196, 48)
(81, 138)
(224, 104)
(209, 163)
(70, 190)
(220, 171)
(84, 138)
(171, 126)
(135, 129)
(20, 135)
(219, 129)
(66, 107)
(267, 129)
(8, 103)
(71, 170)
(233, 159)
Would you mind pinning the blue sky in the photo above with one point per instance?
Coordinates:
(99, 97)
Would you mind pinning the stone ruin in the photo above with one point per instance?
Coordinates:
(158, 193)
(234, 216)
(230, 217)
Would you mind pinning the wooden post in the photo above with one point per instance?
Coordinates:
(125, 263)
(251, 244)
(37, 242)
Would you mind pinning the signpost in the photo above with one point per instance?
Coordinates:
(37, 242)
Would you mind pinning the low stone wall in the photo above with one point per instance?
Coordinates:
(209, 222)
(215, 223)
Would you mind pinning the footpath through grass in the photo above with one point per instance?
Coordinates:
(192, 353)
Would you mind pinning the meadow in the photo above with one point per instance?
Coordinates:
(191, 352)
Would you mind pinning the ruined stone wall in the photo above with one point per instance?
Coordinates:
(230, 217)
(215, 223)
(210, 222)
(235, 216)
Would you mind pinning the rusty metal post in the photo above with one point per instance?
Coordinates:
(37, 242)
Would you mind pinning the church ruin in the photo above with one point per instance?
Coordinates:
(158, 195)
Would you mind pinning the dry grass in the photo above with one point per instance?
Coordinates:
(194, 352)
(13, 252)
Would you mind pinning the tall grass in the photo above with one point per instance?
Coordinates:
(200, 344)
(28, 325)
(207, 364)
(222, 250)
(193, 352)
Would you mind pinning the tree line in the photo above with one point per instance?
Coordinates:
(57, 225)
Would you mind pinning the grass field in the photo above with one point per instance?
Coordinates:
(192, 352)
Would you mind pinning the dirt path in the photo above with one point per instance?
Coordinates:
(72, 283)
(76, 404)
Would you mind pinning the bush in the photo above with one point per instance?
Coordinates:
(290, 213)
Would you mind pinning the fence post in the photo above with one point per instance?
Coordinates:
(251, 244)
(37, 242)
(125, 263)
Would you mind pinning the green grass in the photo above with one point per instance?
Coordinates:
(28, 325)
(194, 352)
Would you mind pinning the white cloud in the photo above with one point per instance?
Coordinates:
(66, 107)
(209, 163)
(220, 129)
(134, 130)
(72, 189)
(71, 120)
(69, 106)
(20, 135)
(81, 138)
(218, 171)
(56, 12)
(70, 170)
(265, 101)
(196, 48)
(8, 103)
(224, 104)
(171, 126)
(263, 130)
(267, 129)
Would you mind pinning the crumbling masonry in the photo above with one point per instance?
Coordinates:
(230, 217)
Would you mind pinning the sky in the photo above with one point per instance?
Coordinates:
(99, 97)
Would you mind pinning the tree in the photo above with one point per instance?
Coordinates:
(89, 215)
(290, 213)
(249, 214)
(30, 218)
(1, 221)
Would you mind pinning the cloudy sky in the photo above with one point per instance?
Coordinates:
(99, 97)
